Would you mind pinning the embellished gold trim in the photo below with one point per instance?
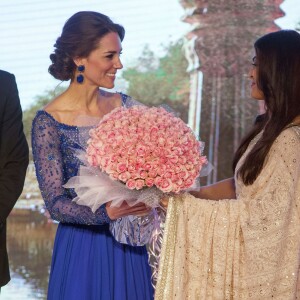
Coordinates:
(166, 267)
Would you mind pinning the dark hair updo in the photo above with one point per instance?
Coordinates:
(80, 36)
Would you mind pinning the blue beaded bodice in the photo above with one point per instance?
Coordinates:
(54, 147)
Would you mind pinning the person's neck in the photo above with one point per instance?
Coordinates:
(83, 96)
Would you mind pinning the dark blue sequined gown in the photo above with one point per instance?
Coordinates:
(87, 263)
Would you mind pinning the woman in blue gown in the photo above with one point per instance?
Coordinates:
(87, 262)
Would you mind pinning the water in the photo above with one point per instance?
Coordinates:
(30, 239)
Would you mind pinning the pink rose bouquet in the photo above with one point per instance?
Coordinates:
(145, 147)
(137, 149)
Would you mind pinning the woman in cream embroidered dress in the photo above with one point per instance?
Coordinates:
(247, 244)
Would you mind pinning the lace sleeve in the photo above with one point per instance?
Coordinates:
(49, 164)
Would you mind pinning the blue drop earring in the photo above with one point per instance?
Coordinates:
(80, 77)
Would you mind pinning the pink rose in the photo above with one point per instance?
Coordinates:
(153, 138)
(111, 168)
(163, 160)
(131, 168)
(104, 160)
(157, 181)
(130, 184)
(121, 167)
(182, 160)
(147, 166)
(183, 174)
(176, 189)
(157, 152)
(141, 150)
(152, 173)
(189, 182)
(111, 135)
(139, 184)
(114, 176)
(140, 130)
(114, 158)
(100, 152)
(161, 170)
(135, 175)
(97, 144)
(118, 124)
(173, 159)
(161, 141)
(154, 130)
(143, 174)
(180, 182)
(174, 178)
(140, 160)
(149, 182)
(177, 151)
(177, 169)
(189, 167)
(170, 144)
(124, 176)
(168, 175)
(166, 185)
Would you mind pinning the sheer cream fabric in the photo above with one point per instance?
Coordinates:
(248, 248)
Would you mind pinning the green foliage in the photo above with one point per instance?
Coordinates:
(39, 103)
(164, 80)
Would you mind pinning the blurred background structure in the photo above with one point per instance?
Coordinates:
(219, 48)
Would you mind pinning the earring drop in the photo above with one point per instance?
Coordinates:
(80, 77)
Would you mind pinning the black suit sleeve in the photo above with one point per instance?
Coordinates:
(13, 148)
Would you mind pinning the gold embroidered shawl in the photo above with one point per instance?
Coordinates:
(244, 248)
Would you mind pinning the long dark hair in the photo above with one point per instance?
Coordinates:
(80, 36)
(278, 58)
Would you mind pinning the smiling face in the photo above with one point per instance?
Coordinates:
(102, 63)
(256, 93)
